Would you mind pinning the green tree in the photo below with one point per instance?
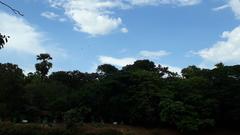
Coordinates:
(107, 69)
(141, 65)
(44, 65)
(11, 91)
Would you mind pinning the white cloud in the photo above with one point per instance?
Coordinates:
(24, 37)
(96, 17)
(235, 6)
(25, 42)
(174, 2)
(53, 16)
(49, 15)
(91, 16)
(220, 7)
(124, 30)
(94, 23)
(154, 54)
(62, 19)
(226, 50)
(173, 69)
(116, 61)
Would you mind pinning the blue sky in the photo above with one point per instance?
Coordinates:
(81, 34)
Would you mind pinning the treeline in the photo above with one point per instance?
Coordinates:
(142, 94)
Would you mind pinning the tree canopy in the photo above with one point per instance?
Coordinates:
(44, 65)
(142, 93)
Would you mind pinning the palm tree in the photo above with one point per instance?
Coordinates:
(44, 66)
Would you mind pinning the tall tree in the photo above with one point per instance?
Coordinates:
(44, 65)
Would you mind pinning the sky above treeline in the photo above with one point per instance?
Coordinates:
(82, 34)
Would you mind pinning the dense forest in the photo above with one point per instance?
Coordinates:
(141, 94)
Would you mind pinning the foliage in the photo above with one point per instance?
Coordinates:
(3, 40)
(44, 66)
(11, 91)
(141, 94)
(107, 69)
(76, 115)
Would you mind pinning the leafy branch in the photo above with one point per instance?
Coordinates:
(3, 40)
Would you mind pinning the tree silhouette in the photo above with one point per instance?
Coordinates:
(44, 66)
(3, 40)
(107, 69)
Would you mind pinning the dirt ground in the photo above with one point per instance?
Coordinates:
(130, 130)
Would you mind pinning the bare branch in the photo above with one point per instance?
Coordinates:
(13, 9)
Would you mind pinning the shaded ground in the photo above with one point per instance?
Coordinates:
(95, 129)
(130, 130)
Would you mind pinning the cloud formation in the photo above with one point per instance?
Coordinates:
(226, 50)
(154, 54)
(221, 7)
(49, 15)
(116, 61)
(25, 42)
(52, 16)
(235, 6)
(124, 30)
(24, 37)
(96, 17)
(157, 2)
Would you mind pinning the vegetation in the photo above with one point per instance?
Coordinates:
(141, 94)
(3, 40)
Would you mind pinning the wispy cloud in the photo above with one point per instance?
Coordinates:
(53, 16)
(221, 7)
(124, 30)
(96, 17)
(154, 54)
(49, 15)
(157, 2)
